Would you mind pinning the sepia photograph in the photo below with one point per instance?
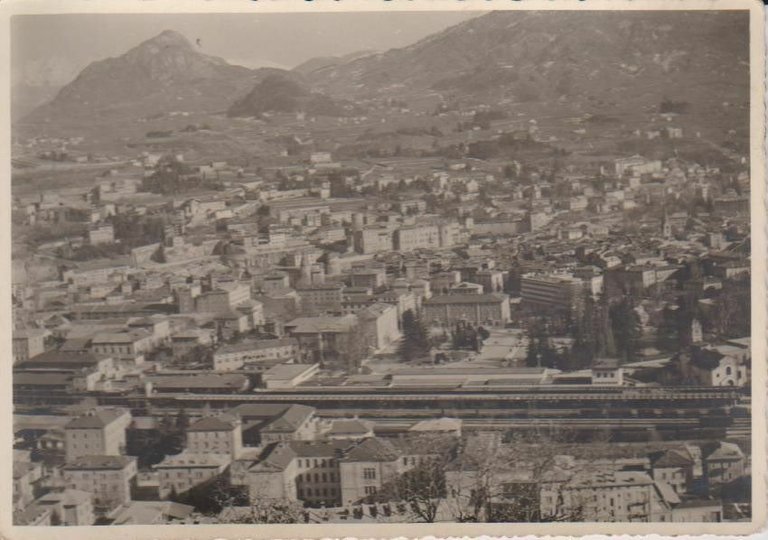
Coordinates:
(452, 267)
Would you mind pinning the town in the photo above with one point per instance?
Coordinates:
(491, 318)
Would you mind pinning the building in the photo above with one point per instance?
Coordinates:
(557, 291)
(369, 278)
(224, 299)
(98, 432)
(288, 375)
(69, 507)
(320, 299)
(216, 435)
(318, 476)
(264, 423)
(608, 496)
(378, 324)
(103, 234)
(371, 464)
(636, 165)
(152, 513)
(262, 354)
(373, 239)
(267, 472)
(25, 476)
(491, 280)
(180, 473)
(324, 338)
(718, 365)
(417, 237)
(607, 372)
(724, 464)
(107, 478)
(674, 467)
(126, 347)
(28, 343)
(478, 309)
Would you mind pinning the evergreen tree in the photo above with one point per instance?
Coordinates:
(532, 351)
(415, 342)
(604, 339)
(584, 346)
(625, 325)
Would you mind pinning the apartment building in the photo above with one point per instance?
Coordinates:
(107, 478)
(98, 432)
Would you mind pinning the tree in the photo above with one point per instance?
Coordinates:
(465, 337)
(415, 342)
(625, 325)
(266, 511)
(604, 340)
(422, 488)
(493, 480)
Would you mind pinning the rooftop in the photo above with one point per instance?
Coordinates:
(109, 463)
(97, 418)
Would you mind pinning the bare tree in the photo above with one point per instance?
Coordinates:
(422, 488)
(493, 480)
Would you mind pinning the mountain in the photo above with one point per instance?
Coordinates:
(283, 92)
(629, 58)
(319, 63)
(162, 74)
(27, 97)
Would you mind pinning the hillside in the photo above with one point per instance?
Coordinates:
(162, 74)
(283, 93)
(595, 60)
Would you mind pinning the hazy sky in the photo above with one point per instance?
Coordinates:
(54, 48)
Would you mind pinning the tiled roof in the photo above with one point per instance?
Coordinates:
(96, 419)
(191, 459)
(492, 298)
(99, 463)
(212, 423)
(373, 450)
(350, 427)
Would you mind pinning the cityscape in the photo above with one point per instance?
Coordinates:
(497, 274)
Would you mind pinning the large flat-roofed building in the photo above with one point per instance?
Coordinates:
(223, 299)
(417, 237)
(373, 239)
(288, 375)
(261, 354)
(317, 299)
(472, 376)
(478, 309)
(199, 383)
(551, 290)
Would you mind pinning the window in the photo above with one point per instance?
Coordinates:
(369, 473)
(370, 490)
